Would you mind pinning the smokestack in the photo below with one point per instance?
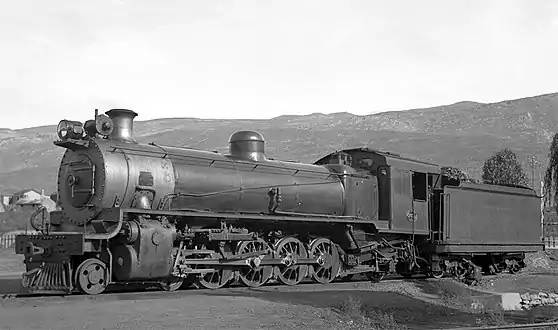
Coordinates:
(123, 123)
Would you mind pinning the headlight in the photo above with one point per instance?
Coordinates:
(68, 129)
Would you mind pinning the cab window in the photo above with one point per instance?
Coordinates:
(420, 183)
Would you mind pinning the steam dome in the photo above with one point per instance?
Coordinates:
(248, 145)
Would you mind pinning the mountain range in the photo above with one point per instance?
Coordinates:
(462, 135)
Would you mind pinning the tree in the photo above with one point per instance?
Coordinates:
(551, 175)
(503, 169)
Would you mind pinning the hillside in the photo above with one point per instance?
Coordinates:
(462, 134)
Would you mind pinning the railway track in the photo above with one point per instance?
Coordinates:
(529, 326)
(151, 291)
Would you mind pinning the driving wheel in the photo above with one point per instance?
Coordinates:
(290, 250)
(328, 265)
(253, 274)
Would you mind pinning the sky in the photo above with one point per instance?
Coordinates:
(61, 59)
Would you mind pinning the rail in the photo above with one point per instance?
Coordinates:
(541, 326)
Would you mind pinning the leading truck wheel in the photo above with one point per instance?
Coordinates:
(91, 276)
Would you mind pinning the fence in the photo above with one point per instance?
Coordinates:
(7, 240)
(550, 235)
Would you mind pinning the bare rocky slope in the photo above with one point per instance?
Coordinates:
(462, 134)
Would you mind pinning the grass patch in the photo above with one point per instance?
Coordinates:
(486, 316)
(359, 316)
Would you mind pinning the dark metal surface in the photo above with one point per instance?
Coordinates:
(148, 255)
(58, 246)
(221, 184)
(122, 125)
(247, 145)
(479, 215)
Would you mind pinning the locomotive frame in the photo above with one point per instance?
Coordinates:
(145, 213)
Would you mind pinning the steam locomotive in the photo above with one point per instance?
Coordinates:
(175, 217)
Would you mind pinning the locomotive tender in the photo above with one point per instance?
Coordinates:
(147, 213)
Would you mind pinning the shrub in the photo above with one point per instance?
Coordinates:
(368, 319)
(14, 220)
(551, 175)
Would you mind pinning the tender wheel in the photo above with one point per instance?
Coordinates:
(462, 272)
(290, 250)
(253, 274)
(513, 267)
(171, 284)
(437, 274)
(328, 260)
(91, 276)
(375, 277)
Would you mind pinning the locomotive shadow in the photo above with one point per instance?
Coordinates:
(412, 311)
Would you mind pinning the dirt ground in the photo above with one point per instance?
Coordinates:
(271, 307)
(193, 312)
(10, 262)
(336, 306)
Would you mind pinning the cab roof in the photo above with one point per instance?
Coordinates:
(393, 160)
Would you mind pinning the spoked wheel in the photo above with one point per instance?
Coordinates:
(290, 250)
(220, 277)
(173, 283)
(459, 271)
(328, 260)
(91, 276)
(253, 274)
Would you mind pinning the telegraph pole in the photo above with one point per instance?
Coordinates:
(533, 161)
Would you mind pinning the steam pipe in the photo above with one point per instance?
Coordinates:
(123, 122)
